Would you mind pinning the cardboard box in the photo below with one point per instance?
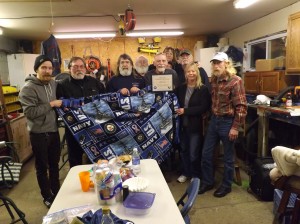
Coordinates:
(281, 62)
(266, 64)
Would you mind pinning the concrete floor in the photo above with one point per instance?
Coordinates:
(237, 207)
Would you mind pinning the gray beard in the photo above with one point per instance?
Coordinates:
(141, 70)
(125, 72)
(78, 76)
(161, 70)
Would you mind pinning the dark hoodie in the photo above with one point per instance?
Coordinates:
(35, 98)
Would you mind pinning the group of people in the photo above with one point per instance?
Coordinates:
(223, 97)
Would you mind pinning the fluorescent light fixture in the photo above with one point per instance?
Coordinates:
(83, 35)
(154, 33)
(1, 30)
(240, 4)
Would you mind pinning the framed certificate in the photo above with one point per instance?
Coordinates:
(162, 83)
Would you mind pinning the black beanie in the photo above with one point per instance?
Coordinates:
(40, 60)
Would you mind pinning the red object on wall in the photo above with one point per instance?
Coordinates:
(129, 20)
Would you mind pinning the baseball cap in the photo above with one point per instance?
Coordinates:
(40, 60)
(185, 51)
(220, 56)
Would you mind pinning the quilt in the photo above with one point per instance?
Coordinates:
(109, 125)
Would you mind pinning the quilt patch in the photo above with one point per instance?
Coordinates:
(108, 125)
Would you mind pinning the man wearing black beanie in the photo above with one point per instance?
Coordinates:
(38, 99)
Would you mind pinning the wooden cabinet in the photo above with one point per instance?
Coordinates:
(293, 44)
(20, 136)
(15, 129)
(266, 83)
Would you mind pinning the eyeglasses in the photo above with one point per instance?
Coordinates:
(78, 67)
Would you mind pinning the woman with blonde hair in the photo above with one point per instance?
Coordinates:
(194, 101)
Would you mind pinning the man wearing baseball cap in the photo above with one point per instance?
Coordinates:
(38, 99)
(229, 109)
(186, 58)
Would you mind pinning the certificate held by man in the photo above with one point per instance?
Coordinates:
(161, 83)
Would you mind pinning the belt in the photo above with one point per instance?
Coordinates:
(44, 133)
(223, 116)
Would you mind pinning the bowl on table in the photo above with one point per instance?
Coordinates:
(138, 203)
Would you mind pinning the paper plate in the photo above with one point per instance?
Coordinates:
(136, 184)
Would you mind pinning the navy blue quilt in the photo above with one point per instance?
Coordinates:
(108, 125)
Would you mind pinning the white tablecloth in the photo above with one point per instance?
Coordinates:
(163, 210)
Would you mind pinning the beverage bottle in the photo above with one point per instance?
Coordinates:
(104, 184)
(106, 217)
(136, 163)
(289, 101)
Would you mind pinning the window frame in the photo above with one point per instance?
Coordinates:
(265, 39)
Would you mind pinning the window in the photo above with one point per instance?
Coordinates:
(269, 47)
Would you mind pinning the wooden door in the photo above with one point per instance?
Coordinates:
(251, 82)
(269, 83)
(293, 44)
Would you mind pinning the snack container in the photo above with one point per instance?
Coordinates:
(138, 203)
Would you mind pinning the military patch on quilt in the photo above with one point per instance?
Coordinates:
(109, 125)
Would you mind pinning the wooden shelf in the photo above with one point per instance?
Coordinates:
(17, 101)
(11, 93)
(10, 111)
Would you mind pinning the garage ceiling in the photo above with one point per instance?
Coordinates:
(31, 20)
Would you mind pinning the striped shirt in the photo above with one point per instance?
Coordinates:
(228, 98)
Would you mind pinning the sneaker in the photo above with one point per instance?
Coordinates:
(48, 202)
(182, 179)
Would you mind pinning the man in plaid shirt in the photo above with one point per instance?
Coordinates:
(229, 109)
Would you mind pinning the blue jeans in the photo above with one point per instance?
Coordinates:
(190, 152)
(218, 129)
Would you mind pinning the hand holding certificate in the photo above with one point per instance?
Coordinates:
(161, 83)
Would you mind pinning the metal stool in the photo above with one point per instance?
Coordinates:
(8, 203)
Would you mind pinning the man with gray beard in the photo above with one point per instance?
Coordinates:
(141, 65)
(77, 85)
(160, 62)
(126, 81)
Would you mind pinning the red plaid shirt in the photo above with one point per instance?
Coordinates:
(228, 98)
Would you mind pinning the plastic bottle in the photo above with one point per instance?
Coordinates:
(289, 101)
(106, 217)
(117, 180)
(104, 184)
(136, 163)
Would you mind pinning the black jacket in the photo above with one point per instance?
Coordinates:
(199, 104)
(181, 76)
(72, 88)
